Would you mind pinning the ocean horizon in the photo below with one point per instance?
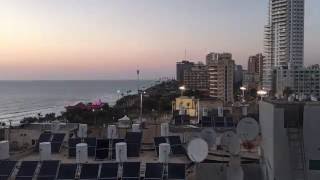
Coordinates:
(27, 98)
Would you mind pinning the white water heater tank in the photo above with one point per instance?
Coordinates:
(4, 150)
(220, 111)
(112, 132)
(136, 128)
(121, 152)
(45, 151)
(82, 153)
(82, 131)
(164, 129)
(164, 151)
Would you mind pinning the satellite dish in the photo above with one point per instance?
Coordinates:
(197, 150)
(234, 170)
(248, 129)
(209, 135)
(231, 142)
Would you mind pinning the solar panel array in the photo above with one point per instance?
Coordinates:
(48, 170)
(133, 140)
(6, 169)
(176, 145)
(131, 170)
(109, 171)
(55, 139)
(56, 142)
(67, 171)
(176, 171)
(27, 170)
(102, 150)
(181, 120)
(154, 171)
(92, 144)
(89, 171)
(218, 122)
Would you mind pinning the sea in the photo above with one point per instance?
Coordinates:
(19, 99)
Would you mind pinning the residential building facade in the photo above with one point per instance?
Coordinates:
(181, 67)
(221, 77)
(284, 38)
(196, 78)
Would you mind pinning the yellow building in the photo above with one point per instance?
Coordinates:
(189, 104)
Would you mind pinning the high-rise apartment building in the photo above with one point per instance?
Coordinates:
(221, 69)
(196, 78)
(284, 38)
(181, 67)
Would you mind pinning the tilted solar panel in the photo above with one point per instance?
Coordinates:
(27, 169)
(102, 143)
(67, 171)
(133, 137)
(109, 171)
(154, 171)
(91, 141)
(55, 147)
(48, 169)
(6, 168)
(58, 137)
(72, 143)
(89, 171)
(176, 171)
(131, 170)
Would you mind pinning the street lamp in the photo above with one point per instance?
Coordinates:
(242, 88)
(262, 93)
(182, 89)
(141, 104)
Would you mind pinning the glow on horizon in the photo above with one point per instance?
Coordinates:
(82, 39)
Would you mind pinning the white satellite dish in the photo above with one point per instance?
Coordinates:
(209, 135)
(231, 142)
(197, 150)
(248, 129)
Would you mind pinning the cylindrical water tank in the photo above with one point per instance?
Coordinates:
(4, 150)
(136, 128)
(121, 152)
(244, 110)
(165, 129)
(164, 151)
(82, 153)
(112, 132)
(204, 112)
(220, 111)
(82, 131)
(45, 151)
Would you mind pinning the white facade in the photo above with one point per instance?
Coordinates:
(284, 37)
(302, 81)
(280, 158)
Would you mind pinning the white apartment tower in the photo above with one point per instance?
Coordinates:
(284, 38)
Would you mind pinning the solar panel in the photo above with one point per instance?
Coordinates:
(102, 143)
(67, 171)
(109, 171)
(102, 154)
(72, 152)
(6, 168)
(48, 170)
(133, 150)
(55, 147)
(92, 143)
(131, 170)
(158, 141)
(154, 171)
(73, 142)
(176, 145)
(206, 122)
(89, 171)
(219, 122)
(58, 137)
(133, 137)
(27, 169)
(176, 171)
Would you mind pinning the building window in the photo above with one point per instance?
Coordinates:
(314, 164)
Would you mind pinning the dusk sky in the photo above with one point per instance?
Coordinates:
(110, 39)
